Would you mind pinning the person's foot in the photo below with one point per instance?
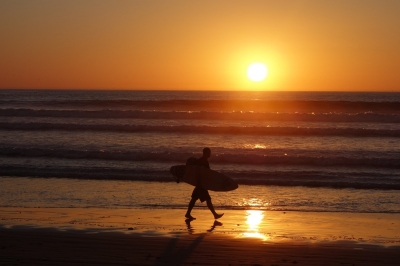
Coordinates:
(217, 216)
(190, 217)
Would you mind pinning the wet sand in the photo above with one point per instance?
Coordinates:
(73, 236)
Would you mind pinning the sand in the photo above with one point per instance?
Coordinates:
(73, 236)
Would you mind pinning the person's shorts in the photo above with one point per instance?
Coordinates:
(200, 193)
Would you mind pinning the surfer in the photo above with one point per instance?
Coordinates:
(202, 193)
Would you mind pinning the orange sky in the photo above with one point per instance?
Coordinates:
(307, 45)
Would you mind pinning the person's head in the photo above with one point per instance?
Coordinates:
(206, 152)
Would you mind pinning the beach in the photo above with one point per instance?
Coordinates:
(276, 124)
(85, 180)
(79, 236)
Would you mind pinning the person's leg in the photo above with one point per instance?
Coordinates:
(211, 207)
(190, 207)
(195, 197)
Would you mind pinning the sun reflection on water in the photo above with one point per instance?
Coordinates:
(255, 146)
(254, 219)
(254, 203)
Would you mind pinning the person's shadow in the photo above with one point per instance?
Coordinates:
(191, 230)
(189, 226)
(216, 223)
(175, 256)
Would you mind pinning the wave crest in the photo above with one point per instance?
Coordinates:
(224, 158)
(207, 115)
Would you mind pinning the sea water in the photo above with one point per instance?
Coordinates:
(304, 151)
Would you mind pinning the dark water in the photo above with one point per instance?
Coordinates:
(287, 139)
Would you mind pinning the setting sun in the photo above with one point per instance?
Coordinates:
(257, 72)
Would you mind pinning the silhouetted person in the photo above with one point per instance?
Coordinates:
(200, 192)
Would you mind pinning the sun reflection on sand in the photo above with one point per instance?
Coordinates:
(254, 219)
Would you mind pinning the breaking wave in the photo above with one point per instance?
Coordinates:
(207, 115)
(188, 129)
(275, 178)
(225, 158)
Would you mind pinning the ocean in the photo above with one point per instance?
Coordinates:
(288, 151)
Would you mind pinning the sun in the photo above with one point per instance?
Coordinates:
(257, 72)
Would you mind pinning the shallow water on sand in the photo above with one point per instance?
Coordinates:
(58, 192)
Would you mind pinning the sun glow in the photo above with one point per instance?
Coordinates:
(257, 72)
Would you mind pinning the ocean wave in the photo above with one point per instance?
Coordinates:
(206, 115)
(319, 106)
(223, 158)
(187, 129)
(284, 178)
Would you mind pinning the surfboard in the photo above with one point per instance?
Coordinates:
(209, 179)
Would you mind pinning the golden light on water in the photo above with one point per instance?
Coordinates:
(255, 146)
(254, 203)
(253, 221)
